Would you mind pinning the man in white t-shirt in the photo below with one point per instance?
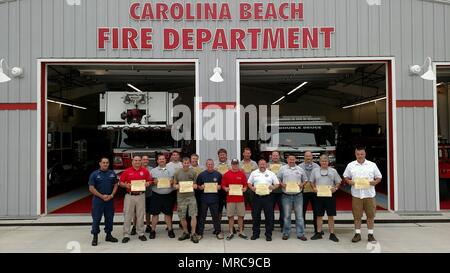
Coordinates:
(362, 171)
(262, 182)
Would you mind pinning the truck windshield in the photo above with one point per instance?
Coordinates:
(145, 139)
(318, 136)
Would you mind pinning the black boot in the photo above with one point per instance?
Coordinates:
(95, 240)
(110, 238)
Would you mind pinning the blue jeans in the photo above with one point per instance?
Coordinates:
(296, 202)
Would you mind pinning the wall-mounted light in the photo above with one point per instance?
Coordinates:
(15, 71)
(217, 76)
(428, 75)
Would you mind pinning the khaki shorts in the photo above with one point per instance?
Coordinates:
(367, 205)
(234, 209)
(187, 205)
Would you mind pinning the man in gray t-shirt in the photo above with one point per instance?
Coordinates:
(309, 196)
(325, 176)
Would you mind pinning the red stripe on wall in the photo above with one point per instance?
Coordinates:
(415, 103)
(218, 105)
(18, 106)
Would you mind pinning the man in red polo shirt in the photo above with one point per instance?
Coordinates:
(235, 203)
(134, 203)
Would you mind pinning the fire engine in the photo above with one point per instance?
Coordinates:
(141, 123)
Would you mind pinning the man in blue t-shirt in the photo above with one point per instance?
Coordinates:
(103, 185)
(209, 183)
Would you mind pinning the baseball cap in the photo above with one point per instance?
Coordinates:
(234, 161)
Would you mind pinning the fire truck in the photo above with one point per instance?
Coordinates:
(298, 134)
(141, 124)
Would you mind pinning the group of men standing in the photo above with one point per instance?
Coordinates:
(234, 184)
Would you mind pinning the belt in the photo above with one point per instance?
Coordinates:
(136, 193)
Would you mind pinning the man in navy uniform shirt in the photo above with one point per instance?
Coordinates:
(103, 185)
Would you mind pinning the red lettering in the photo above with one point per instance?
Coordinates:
(171, 39)
(147, 12)
(271, 12)
(162, 10)
(176, 11)
(293, 38)
(297, 11)
(203, 36)
(274, 40)
(115, 40)
(189, 15)
(254, 32)
(188, 38)
(146, 38)
(103, 37)
(327, 31)
(133, 11)
(258, 11)
(210, 10)
(220, 40)
(282, 11)
(245, 13)
(310, 40)
(225, 13)
(237, 38)
(129, 36)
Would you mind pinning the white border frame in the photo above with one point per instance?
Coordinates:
(337, 60)
(71, 61)
(435, 139)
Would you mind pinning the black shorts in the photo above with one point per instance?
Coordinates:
(148, 203)
(325, 204)
(161, 203)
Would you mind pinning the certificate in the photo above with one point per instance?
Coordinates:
(163, 183)
(275, 168)
(324, 191)
(235, 190)
(186, 186)
(247, 168)
(262, 189)
(210, 187)
(292, 187)
(223, 168)
(137, 185)
(361, 183)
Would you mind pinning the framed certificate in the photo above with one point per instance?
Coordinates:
(236, 190)
(292, 187)
(262, 189)
(275, 168)
(163, 183)
(186, 186)
(210, 187)
(137, 185)
(324, 191)
(361, 183)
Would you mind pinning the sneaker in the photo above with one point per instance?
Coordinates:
(243, 236)
(148, 229)
(183, 237)
(268, 238)
(94, 240)
(143, 238)
(152, 235)
(371, 239)
(194, 238)
(302, 238)
(285, 237)
(171, 234)
(230, 236)
(125, 240)
(254, 237)
(317, 236)
(133, 231)
(334, 238)
(220, 236)
(110, 238)
(356, 238)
